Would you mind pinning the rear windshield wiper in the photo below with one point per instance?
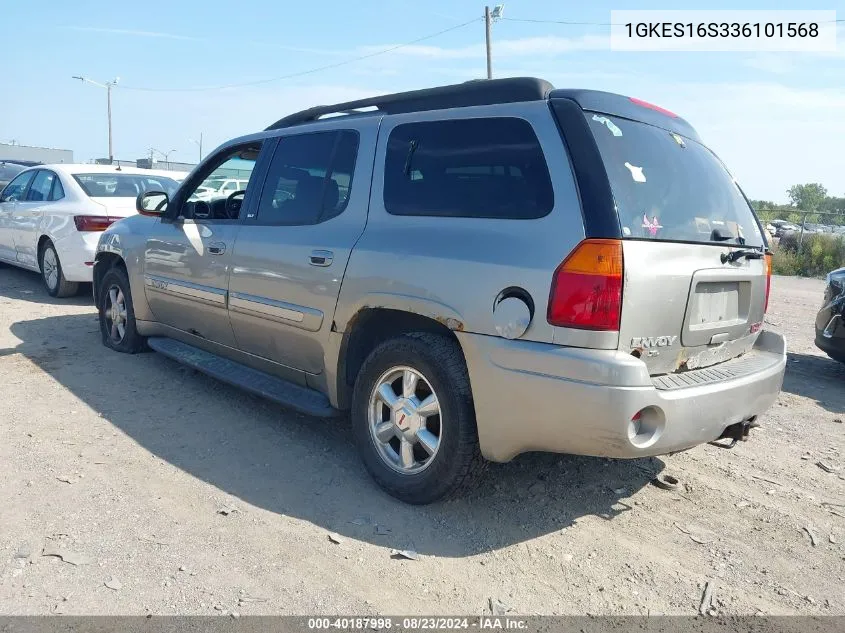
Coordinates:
(735, 255)
(724, 235)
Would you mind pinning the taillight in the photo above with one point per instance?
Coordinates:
(768, 260)
(587, 287)
(651, 106)
(92, 222)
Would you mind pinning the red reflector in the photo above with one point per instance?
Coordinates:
(92, 222)
(651, 106)
(768, 260)
(586, 289)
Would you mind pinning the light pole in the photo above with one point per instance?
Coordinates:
(108, 86)
(165, 154)
(199, 143)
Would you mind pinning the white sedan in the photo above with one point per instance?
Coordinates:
(51, 217)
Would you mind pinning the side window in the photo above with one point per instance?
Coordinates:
(58, 191)
(309, 179)
(208, 199)
(42, 184)
(15, 189)
(467, 168)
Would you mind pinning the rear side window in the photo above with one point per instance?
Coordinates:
(671, 188)
(58, 191)
(467, 168)
(309, 179)
(39, 190)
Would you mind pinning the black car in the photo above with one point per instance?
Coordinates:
(830, 329)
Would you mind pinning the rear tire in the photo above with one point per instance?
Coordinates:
(437, 420)
(52, 274)
(117, 314)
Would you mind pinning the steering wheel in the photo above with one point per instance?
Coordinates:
(233, 204)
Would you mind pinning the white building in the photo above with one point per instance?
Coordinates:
(35, 154)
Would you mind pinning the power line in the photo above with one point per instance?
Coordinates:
(569, 23)
(561, 22)
(311, 70)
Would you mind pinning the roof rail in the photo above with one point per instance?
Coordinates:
(471, 93)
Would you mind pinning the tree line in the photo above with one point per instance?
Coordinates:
(811, 198)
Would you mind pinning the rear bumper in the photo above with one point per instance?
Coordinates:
(538, 397)
(74, 250)
(833, 346)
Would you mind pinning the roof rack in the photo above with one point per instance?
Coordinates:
(471, 93)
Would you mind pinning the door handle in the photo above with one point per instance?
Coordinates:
(321, 258)
(217, 248)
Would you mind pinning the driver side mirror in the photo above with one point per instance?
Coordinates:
(152, 203)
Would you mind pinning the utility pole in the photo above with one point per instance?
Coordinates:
(489, 18)
(108, 97)
(488, 31)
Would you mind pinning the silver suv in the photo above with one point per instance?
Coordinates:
(472, 271)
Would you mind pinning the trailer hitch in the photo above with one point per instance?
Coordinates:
(735, 433)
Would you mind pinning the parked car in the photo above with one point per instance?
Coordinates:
(783, 229)
(51, 217)
(830, 329)
(469, 272)
(177, 176)
(11, 168)
(215, 188)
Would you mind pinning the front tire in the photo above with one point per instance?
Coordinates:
(413, 418)
(52, 274)
(117, 315)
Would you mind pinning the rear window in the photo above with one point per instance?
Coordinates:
(109, 185)
(467, 168)
(670, 188)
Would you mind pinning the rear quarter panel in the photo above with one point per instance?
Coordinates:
(452, 269)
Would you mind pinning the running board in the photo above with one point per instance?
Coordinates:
(286, 393)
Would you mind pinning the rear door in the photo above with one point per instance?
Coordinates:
(291, 253)
(687, 301)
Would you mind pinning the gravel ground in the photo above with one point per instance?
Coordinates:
(167, 492)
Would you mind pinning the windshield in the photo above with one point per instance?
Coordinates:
(669, 187)
(108, 185)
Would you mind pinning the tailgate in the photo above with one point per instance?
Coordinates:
(682, 308)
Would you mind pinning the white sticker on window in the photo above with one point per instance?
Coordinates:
(636, 172)
(614, 129)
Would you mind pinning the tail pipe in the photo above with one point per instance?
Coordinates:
(735, 433)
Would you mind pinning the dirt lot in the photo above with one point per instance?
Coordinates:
(124, 464)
